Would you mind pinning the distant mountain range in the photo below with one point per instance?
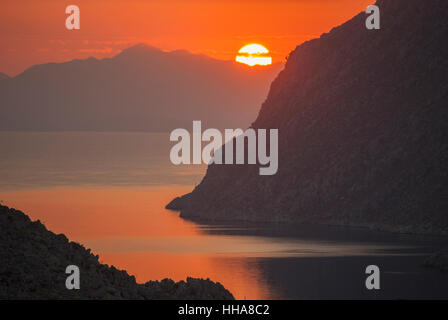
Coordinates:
(363, 140)
(140, 89)
(3, 76)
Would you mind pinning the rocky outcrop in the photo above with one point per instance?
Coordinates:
(362, 131)
(33, 263)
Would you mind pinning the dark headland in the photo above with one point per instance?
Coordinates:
(362, 120)
(33, 262)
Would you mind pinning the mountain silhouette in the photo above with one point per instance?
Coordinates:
(140, 89)
(362, 120)
(3, 76)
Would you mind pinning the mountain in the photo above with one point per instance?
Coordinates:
(34, 262)
(3, 76)
(362, 118)
(140, 89)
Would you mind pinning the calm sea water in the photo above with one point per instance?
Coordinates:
(108, 192)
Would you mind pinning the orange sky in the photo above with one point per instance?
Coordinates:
(33, 32)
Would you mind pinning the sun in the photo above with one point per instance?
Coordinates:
(254, 54)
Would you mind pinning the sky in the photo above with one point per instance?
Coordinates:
(33, 32)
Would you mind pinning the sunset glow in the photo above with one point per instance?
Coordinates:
(223, 159)
(108, 27)
(254, 54)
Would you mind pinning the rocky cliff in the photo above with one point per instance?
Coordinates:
(33, 262)
(362, 131)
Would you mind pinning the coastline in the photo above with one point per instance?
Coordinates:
(180, 204)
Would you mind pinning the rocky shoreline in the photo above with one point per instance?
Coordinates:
(33, 263)
(180, 204)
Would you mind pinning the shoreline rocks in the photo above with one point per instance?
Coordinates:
(33, 262)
